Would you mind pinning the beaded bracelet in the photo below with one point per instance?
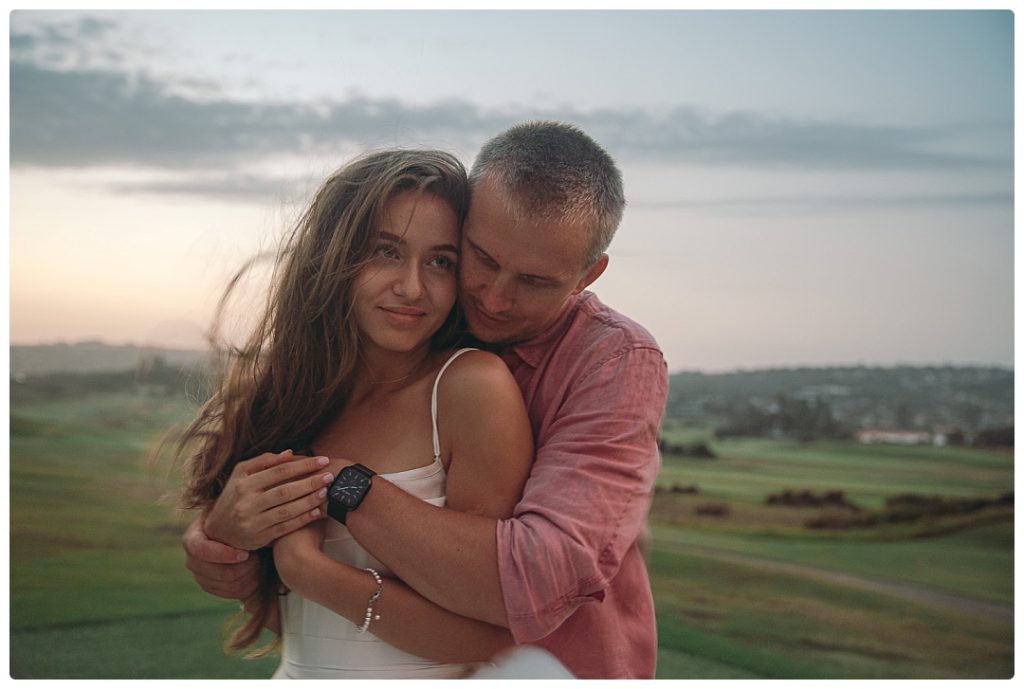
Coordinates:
(373, 599)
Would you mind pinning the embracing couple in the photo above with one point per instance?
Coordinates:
(412, 506)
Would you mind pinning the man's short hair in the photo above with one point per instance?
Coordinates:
(553, 171)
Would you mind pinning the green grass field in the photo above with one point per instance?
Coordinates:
(98, 585)
(749, 469)
(99, 590)
(752, 592)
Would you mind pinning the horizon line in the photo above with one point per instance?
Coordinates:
(712, 370)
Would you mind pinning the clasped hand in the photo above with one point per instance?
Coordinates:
(265, 498)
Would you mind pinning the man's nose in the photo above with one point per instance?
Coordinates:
(497, 295)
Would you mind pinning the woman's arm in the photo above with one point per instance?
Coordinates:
(407, 620)
(492, 429)
(483, 424)
(482, 415)
(485, 434)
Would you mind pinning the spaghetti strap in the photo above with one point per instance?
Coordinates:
(433, 399)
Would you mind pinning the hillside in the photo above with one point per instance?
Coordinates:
(93, 357)
(840, 399)
(907, 397)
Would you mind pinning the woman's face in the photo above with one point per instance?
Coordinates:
(405, 293)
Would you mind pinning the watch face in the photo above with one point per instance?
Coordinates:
(349, 487)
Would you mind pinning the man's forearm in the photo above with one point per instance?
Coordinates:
(448, 557)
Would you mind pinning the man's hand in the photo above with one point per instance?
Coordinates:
(219, 569)
(267, 497)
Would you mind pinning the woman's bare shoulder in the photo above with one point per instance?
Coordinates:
(473, 375)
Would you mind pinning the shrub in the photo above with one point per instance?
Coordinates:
(712, 510)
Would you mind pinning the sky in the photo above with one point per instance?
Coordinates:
(803, 188)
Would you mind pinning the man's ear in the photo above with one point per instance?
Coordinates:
(592, 274)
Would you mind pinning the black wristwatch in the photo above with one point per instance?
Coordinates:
(348, 490)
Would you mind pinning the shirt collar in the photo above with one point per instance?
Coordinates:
(532, 351)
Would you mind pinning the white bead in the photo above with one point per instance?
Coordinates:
(373, 599)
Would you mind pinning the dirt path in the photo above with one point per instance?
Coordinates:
(919, 594)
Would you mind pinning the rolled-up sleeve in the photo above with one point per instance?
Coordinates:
(588, 494)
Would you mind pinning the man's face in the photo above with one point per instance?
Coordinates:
(515, 277)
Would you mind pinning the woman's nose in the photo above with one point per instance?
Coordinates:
(409, 282)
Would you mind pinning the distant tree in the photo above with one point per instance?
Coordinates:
(995, 437)
(155, 376)
(789, 417)
(904, 415)
(955, 437)
(747, 402)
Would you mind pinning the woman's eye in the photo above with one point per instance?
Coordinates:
(387, 251)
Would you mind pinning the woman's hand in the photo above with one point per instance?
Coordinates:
(266, 497)
(293, 552)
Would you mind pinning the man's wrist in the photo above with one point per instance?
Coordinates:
(209, 529)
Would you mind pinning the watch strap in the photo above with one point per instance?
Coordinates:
(336, 511)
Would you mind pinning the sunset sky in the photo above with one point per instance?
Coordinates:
(803, 187)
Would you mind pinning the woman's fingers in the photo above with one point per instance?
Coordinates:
(283, 471)
(278, 490)
(285, 493)
(294, 524)
(262, 462)
(293, 515)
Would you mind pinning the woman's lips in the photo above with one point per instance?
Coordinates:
(405, 315)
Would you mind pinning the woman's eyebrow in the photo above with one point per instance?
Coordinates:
(401, 241)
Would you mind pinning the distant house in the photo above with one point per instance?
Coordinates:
(896, 437)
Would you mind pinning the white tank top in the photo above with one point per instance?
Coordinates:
(318, 643)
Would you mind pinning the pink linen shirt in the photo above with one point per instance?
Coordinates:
(572, 575)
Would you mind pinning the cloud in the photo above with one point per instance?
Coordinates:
(76, 101)
(751, 138)
(789, 205)
(67, 43)
(102, 117)
(220, 186)
(84, 117)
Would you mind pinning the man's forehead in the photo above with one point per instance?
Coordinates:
(523, 254)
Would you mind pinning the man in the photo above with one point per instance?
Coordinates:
(565, 572)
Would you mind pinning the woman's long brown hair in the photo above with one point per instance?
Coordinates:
(295, 372)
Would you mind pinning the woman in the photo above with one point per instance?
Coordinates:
(348, 360)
